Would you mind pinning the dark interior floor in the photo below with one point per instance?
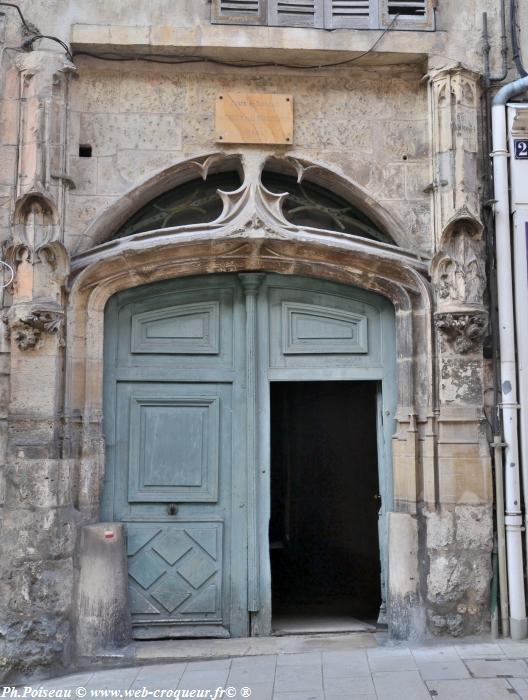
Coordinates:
(324, 484)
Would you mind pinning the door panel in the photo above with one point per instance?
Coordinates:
(308, 327)
(174, 442)
(178, 330)
(175, 408)
(175, 572)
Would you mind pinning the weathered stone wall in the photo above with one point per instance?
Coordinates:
(406, 133)
(371, 125)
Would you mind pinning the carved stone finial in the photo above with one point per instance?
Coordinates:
(464, 331)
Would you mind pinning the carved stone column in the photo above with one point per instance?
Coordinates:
(459, 535)
(38, 527)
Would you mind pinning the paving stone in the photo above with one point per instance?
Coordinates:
(520, 685)
(514, 650)
(247, 674)
(115, 679)
(349, 686)
(307, 659)
(493, 669)
(209, 665)
(478, 651)
(67, 682)
(396, 685)
(159, 677)
(439, 653)
(300, 695)
(172, 671)
(436, 670)
(290, 679)
(369, 696)
(471, 689)
(391, 660)
(203, 679)
(345, 664)
(259, 691)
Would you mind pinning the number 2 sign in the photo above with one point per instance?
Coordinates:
(520, 147)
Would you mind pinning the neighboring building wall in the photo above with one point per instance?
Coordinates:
(407, 131)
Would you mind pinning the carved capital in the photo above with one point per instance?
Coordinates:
(462, 330)
(26, 324)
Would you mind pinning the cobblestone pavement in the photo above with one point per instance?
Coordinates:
(464, 671)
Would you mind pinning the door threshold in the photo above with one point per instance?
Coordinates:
(287, 625)
(184, 650)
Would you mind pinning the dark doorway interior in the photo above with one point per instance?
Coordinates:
(324, 500)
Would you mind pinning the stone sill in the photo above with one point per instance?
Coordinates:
(224, 42)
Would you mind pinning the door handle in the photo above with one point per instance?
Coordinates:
(172, 508)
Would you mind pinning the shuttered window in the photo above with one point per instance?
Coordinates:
(349, 13)
(327, 14)
(239, 12)
(296, 13)
(407, 8)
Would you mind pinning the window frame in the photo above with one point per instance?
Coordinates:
(379, 17)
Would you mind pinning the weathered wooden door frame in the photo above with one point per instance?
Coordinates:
(385, 378)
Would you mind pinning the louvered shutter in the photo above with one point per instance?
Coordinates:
(296, 13)
(239, 12)
(407, 8)
(350, 13)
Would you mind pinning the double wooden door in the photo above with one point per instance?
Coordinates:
(187, 370)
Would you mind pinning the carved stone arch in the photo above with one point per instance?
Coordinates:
(114, 217)
(251, 205)
(330, 177)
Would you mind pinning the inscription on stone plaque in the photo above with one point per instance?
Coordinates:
(254, 118)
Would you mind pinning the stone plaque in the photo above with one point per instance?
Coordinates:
(254, 118)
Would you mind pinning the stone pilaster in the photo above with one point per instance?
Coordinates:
(39, 519)
(459, 526)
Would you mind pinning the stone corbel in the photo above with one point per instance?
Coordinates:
(463, 330)
(27, 323)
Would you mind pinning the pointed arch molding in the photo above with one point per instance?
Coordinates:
(251, 203)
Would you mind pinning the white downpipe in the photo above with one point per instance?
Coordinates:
(509, 405)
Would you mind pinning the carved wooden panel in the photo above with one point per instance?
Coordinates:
(317, 330)
(175, 572)
(187, 329)
(173, 453)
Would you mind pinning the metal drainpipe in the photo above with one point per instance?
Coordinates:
(509, 405)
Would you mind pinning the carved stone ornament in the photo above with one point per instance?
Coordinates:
(464, 331)
(458, 270)
(26, 326)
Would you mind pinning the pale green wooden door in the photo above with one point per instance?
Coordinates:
(174, 441)
(187, 370)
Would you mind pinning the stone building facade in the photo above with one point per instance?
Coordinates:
(395, 127)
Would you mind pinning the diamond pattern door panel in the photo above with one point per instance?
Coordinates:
(176, 572)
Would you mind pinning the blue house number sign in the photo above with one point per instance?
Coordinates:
(520, 147)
